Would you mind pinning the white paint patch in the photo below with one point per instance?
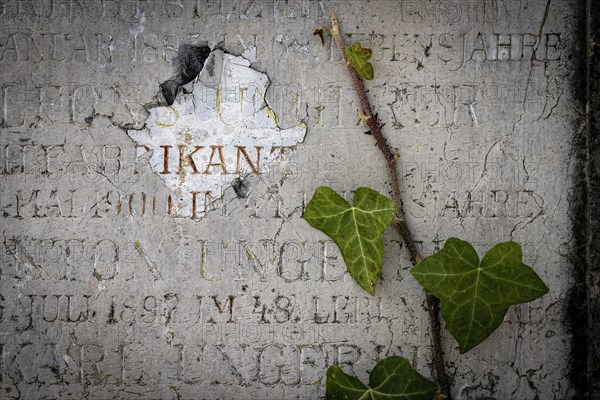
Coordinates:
(220, 130)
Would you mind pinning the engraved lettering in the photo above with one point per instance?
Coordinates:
(165, 159)
(255, 167)
(187, 159)
(221, 163)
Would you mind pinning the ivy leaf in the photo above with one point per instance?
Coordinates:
(356, 230)
(475, 296)
(392, 378)
(359, 58)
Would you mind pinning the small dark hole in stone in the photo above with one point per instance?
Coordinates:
(169, 89)
(241, 187)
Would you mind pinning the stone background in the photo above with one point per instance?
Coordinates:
(106, 294)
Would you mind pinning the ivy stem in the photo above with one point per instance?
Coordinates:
(391, 159)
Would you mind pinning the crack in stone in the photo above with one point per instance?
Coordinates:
(532, 61)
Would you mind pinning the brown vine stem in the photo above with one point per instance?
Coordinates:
(391, 160)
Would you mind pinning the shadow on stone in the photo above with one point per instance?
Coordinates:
(241, 187)
(189, 62)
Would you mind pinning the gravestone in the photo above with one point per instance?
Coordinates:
(156, 158)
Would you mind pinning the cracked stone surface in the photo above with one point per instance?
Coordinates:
(146, 251)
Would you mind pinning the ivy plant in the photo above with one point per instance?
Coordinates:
(356, 229)
(392, 378)
(475, 295)
(359, 57)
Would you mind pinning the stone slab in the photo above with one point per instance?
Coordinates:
(120, 281)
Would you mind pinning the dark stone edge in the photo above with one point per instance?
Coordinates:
(583, 308)
(593, 199)
(579, 305)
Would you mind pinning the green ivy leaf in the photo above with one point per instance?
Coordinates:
(475, 297)
(356, 230)
(392, 378)
(359, 58)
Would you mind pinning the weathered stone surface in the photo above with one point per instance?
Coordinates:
(120, 281)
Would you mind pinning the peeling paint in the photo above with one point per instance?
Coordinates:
(214, 133)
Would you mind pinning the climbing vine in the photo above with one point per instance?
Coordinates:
(475, 295)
